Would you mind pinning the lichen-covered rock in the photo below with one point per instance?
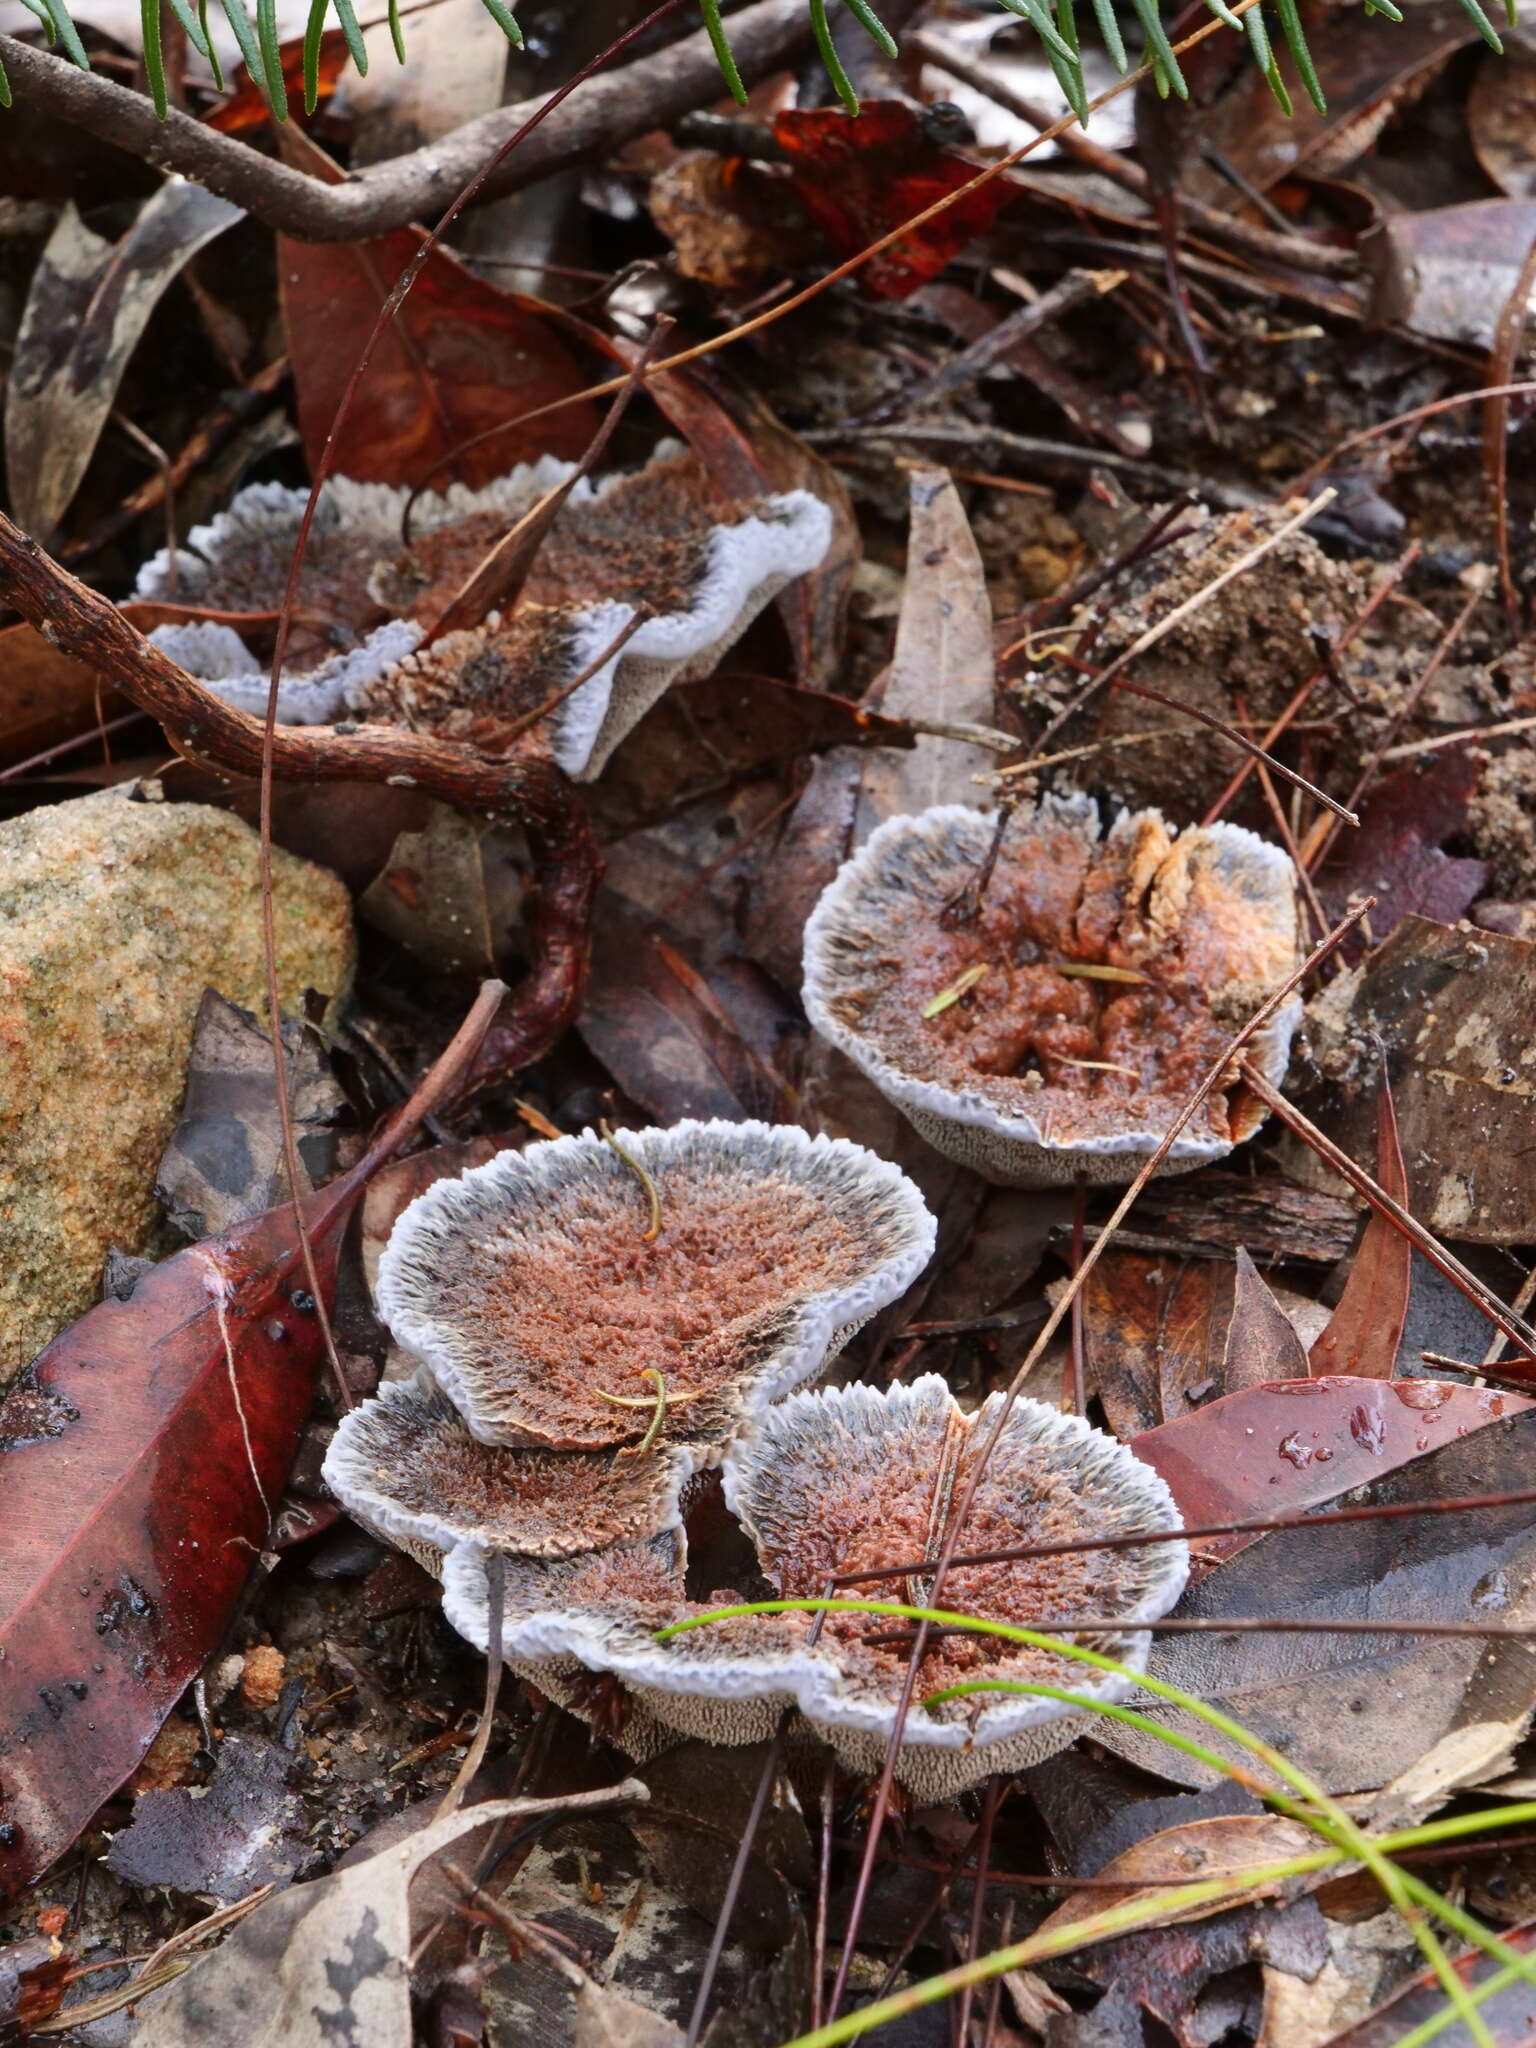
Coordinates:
(115, 915)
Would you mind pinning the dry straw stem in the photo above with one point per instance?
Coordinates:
(1513, 1326)
(1060, 1310)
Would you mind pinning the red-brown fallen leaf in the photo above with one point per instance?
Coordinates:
(1366, 1328)
(1262, 1343)
(1396, 856)
(860, 178)
(143, 1455)
(246, 107)
(1294, 1444)
(459, 357)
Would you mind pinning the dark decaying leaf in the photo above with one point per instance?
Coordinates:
(245, 1829)
(1190, 1980)
(817, 838)
(860, 178)
(1262, 1343)
(223, 1164)
(1154, 1331)
(33, 1971)
(459, 357)
(1366, 1329)
(1355, 1711)
(704, 736)
(100, 294)
(1447, 273)
(1365, 81)
(607, 2019)
(1396, 856)
(598, 1886)
(1283, 1448)
(1501, 118)
(142, 1463)
(450, 893)
(1451, 1010)
(681, 1041)
(1509, 2013)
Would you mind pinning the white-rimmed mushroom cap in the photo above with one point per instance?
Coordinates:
(1061, 1030)
(599, 1615)
(854, 1478)
(403, 1464)
(845, 1479)
(742, 565)
(731, 560)
(531, 1291)
(239, 562)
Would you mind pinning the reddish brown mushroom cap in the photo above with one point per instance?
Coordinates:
(533, 1291)
(405, 1466)
(1061, 1030)
(659, 544)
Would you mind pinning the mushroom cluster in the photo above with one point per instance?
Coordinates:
(590, 1387)
(1060, 1029)
(659, 550)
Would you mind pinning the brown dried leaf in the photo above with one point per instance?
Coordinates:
(942, 667)
(1501, 117)
(1262, 1343)
(1224, 1846)
(1366, 1329)
(1153, 1326)
(88, 304)
(1451, 1008)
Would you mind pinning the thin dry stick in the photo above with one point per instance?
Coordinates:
(1470, 735)
(1513, 1326)
(1406, 419)
(992, 1798)
(474, 1756)
(1212, 1080)
(1135, 1539)
(1357, 624)
(1235, 1624)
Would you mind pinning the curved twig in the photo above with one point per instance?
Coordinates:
(610, 111)
(521, 784)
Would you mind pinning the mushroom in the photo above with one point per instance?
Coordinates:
(855, 1478)
(844, 1480)
(403, 1464)
(1060, 1030)
(657, 543)
(554, 1313)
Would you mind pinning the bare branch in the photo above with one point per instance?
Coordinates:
(608, 112)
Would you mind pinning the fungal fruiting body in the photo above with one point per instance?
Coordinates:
(1061, 1029)
(533, 1292)
(844, 1480)
(657, 546)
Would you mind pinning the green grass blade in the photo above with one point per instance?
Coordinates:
(212, 49)
(826, 49)
(271, 48)
(1165, 64)
(357, 49)
(1482, 24)
(715, 28)
(1296, 42)
(506, 21)
(314, 31)
(68, 34)
(195, 26)
(154, 56)
(396, 34)
(873, 27)
(240, 28)
(1109, 29)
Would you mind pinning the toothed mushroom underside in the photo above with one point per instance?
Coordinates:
(842, 1480)
(658, 544)
(1061, 1029)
